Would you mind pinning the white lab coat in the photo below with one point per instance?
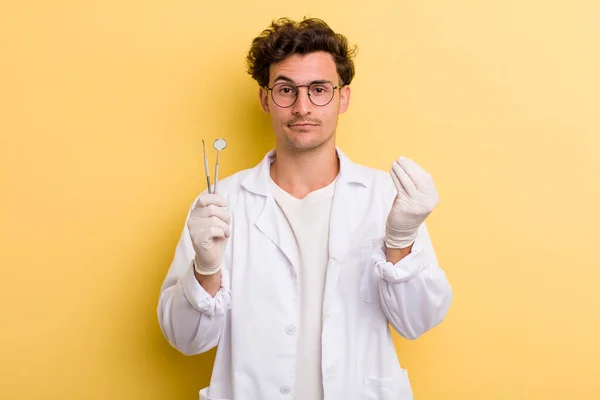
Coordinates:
(253, 318)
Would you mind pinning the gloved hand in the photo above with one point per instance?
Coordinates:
(415, 200)
(209, 229)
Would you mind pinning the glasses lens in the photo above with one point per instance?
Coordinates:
(321, 93)
(284, 94)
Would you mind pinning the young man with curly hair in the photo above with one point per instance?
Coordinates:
(296, 268)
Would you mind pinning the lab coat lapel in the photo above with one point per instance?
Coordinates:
(342, 225)
(271, 221)
(344, 222)
(274, 225)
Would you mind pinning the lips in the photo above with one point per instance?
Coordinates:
(302, 124)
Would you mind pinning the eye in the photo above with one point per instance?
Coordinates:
(320, 89)
(286, 89)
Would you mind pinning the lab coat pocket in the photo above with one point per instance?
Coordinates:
(204, 395)
(388, 388)
(369, 282)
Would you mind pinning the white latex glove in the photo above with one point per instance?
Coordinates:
(209, 229)
(416, 199)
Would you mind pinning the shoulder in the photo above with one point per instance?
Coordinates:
(378, 180)
(376, 186)
(374, 175)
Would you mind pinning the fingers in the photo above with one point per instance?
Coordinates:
(419, 177)
(205, 233)
(211, 211)
(397, 183)
(402, 179)
(217, 232)
(208, 199)
(204, 230)
(211, 205)
(209, 218)
(218, 227)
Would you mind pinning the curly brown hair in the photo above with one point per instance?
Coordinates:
(285, 37)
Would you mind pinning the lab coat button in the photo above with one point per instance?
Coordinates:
(291, 329)
(285, 390)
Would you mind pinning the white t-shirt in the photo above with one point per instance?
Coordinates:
(309, 220)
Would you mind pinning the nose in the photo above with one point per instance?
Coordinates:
(303, 105)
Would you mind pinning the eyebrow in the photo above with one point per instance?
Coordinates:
(290, 80)
(283, 78)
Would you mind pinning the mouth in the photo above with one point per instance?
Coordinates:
(302, 125)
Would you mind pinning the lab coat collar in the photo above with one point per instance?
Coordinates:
(342, 228)
(257, 181)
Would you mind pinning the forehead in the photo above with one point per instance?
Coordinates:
(305, 68)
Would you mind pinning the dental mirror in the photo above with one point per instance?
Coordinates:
(219, 145)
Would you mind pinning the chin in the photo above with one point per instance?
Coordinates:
(305, 139)
(305, 143)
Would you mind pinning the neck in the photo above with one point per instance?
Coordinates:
(300, 173)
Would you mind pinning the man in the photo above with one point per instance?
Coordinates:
(296, 267)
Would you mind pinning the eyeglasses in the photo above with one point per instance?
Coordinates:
(285, 94)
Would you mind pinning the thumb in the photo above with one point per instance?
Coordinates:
(397, 183)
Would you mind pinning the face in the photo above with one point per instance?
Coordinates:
(305, 126)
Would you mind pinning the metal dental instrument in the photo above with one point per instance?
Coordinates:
(219, 145)
(206, 167)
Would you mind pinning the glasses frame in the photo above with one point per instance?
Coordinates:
(307, 92)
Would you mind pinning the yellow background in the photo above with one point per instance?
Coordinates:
(103, 105)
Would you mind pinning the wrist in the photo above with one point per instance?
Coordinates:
(395, 255)
(202, 269)
(210, 283)
(400, 239)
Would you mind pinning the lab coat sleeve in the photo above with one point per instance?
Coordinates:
(190, 318)
(415, 293)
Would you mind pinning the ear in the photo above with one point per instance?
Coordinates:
(263, 95)
(344, 98)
